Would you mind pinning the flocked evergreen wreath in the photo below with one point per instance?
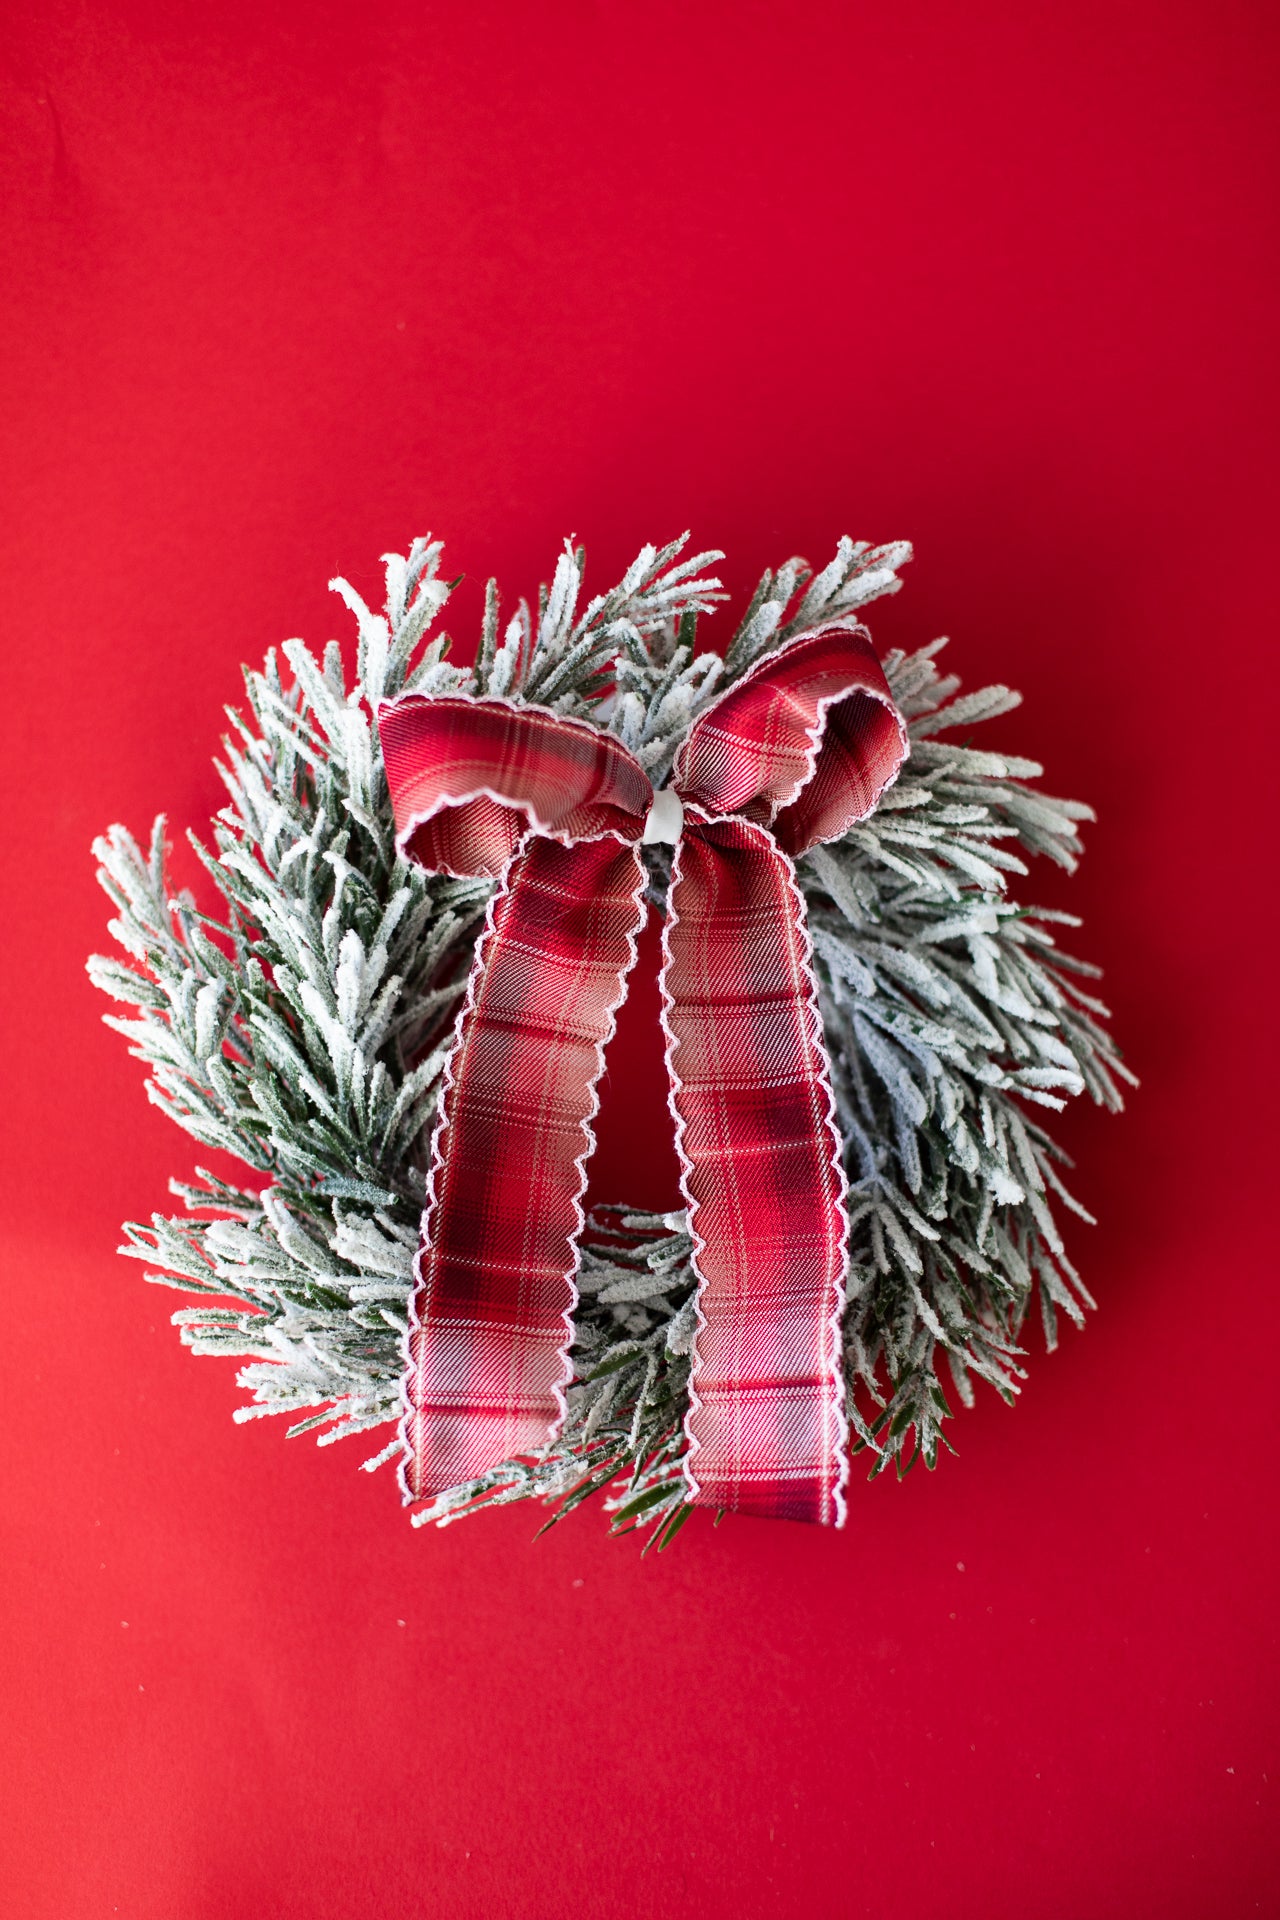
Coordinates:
(305, 1031)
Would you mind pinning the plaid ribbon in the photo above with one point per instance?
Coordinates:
(556, 810)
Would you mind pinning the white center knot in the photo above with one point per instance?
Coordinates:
(666, 819)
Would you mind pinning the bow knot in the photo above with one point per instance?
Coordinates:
(664, 822)
(556, 810)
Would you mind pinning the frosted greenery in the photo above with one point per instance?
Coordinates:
(303, 1030)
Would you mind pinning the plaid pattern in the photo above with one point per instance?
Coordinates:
(487, 1358)
(806, 742)
(762, 1174)
(798, 750)
(470, 778)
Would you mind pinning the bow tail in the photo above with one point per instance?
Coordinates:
(763, 1178)
(488, 1347)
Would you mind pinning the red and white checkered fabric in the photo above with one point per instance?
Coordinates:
(794, 753)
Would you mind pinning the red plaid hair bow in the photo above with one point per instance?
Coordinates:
(556, 810)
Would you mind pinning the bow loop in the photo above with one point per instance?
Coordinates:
(470, 778)
(806, 742)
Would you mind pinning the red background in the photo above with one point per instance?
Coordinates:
(284, 286)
